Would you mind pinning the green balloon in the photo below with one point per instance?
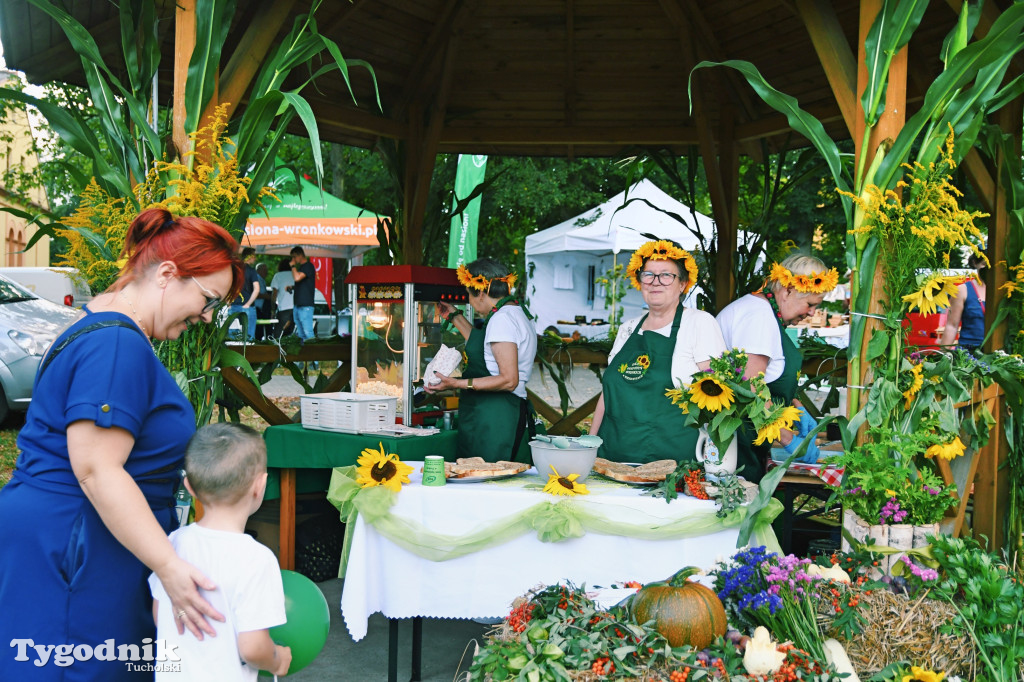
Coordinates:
(309, 620)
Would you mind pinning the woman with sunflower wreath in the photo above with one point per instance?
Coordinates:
(756, 323)
(651, 354)
(494, 415)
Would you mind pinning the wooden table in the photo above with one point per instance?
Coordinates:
(291, 447)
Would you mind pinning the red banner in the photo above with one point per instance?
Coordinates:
(324, 277)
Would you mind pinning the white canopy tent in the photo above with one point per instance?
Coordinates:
(562, 262)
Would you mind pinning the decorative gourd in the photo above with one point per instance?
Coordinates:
(683, 612)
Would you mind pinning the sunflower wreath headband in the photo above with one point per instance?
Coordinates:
(480, 282)
(662, 250)
(814, 283)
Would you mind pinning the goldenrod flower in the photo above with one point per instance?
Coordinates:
(564, 485)
(916, 382)
(770, 432)
(933, 294)
(379, 468)
(711, 394)
(918, 674)
(947, 451)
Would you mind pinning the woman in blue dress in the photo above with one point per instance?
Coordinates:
(88, 508)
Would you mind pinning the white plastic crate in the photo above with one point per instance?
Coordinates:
(348, 412)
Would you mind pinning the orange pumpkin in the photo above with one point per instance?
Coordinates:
(683, 612)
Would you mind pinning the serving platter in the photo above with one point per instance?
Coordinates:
(481, 479)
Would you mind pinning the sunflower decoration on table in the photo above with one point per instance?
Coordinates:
(947, 451)
(377, 467)
(934, 293)
(720, 397)
(662, 249)
(564, 485)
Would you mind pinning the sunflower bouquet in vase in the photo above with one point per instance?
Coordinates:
(717, 401)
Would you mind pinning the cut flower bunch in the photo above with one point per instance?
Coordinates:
(719, 398)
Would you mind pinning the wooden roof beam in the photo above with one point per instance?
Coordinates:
(422, 154)
(566, 136)
(837, 59)
(250, 53)
(328, 113)
(340, 13)
(570, 68)
(57, 62)
(702, 41)
(427, 62)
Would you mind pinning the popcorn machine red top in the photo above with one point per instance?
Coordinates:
(397, 328)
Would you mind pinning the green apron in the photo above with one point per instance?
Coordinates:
(751, 459)
(640, 424)
(492, 424)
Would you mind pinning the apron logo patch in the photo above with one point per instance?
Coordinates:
(635, 370)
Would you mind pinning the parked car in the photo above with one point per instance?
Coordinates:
(28, 325)
(60, 285)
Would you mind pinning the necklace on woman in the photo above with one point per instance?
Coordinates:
(135, 315)
(773, 303)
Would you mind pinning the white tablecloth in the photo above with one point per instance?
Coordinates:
(382, 577)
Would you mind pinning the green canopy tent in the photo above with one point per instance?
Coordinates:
(322, 224)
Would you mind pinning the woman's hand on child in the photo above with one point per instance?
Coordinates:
(282, 660)
(181, 580)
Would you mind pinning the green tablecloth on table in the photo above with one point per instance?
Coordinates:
(292, 446)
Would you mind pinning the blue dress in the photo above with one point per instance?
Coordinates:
(972, 320)
(64, 579)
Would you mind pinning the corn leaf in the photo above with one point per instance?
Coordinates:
(305, 113)
(799, 120)
(1002, 43)
(213, 19)
(890, 31)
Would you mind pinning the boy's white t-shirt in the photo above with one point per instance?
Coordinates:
(699, 339)
(249, 594)
(510, 324)
(280, 283)
(749, 323)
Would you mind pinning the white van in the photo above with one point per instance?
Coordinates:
(60, 285)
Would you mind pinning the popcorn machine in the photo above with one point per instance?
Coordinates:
(397, 329)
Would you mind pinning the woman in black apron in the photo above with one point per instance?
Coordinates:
(667, 345)
(757, 324)
(495, 419)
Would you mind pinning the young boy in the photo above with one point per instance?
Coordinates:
(226, 469)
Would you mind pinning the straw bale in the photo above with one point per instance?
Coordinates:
(900, 628)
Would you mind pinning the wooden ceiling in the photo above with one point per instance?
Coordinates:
(526, 77)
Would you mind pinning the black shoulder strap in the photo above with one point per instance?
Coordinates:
(84, 330)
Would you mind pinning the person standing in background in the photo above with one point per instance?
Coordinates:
(281, 286)
(247, 297)
(967, 310)
(264, 304)
(305, 279)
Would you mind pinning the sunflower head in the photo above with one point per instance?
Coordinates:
(708, 393)
(379, 468)
(564, 485)
(783, 419)
(946, 451)
(914, 382)
(933, 294)
(918, 674)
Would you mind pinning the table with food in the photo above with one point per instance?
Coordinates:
(493, 530)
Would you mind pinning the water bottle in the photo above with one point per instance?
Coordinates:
(182, 504)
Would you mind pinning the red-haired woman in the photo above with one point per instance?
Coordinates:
(86, 514)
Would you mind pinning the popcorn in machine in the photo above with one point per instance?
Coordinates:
(397, 329)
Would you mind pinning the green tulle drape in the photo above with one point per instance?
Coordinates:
(552, 522)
